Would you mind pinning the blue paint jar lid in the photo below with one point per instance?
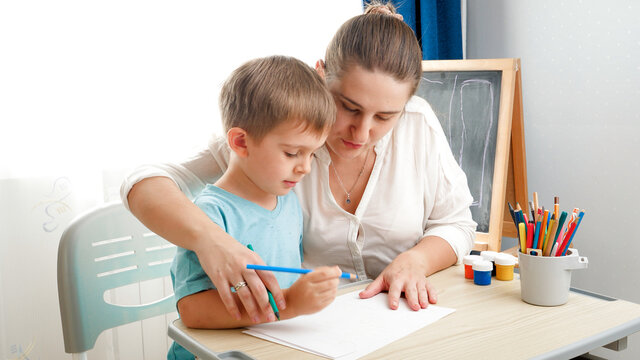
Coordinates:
(482, 265)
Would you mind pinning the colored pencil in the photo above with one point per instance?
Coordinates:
(344, 275)
(512, 212)
(554, 250)
(558, 230)
(545, 247)
(530, 230)
(535, 235)
(573, 232)
(272, 301)
(543, 229)
(523, 235)
(533, 211)
(560, 240)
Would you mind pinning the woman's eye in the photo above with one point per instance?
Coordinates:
(349, 109)
(384, 118)
(287, 154)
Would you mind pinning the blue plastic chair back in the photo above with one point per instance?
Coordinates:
(103, 249)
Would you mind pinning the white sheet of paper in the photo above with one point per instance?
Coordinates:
(350, 327)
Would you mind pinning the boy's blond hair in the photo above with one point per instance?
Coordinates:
(265, 92)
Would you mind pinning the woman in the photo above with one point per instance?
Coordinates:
(385, 198)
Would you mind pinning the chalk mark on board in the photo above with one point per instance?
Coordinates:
(432, 81)
(487, 136)
(455, 82)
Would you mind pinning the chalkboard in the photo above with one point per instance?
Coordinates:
(467, 104)
(474, 100)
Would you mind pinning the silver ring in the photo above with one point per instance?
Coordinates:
(240, 285)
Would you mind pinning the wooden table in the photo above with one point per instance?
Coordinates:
(489, 322)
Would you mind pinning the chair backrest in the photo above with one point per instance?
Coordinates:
(103, 249)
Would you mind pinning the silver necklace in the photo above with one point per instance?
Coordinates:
(348, 201)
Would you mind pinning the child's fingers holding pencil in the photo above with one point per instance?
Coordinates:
(327, 272)
(324, 275)
(314, 291)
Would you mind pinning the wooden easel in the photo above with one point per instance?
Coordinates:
(510, 170)
(517, 176)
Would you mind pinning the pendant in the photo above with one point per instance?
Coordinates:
(348, 200)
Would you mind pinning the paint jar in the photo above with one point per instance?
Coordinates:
(490, 256)
(545, 280)
(482, 272)
(468, 263)
(504, 267)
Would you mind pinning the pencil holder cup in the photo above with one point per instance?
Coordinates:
(545, 280)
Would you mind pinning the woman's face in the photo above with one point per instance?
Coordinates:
(369, 105)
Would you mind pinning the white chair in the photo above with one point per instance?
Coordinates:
(103, 249)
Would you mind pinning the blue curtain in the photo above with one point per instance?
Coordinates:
(437, 25)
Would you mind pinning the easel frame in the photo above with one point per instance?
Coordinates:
(510, 174)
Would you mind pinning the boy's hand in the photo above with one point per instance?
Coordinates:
(312, 292)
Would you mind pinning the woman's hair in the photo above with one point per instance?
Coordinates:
(377, 41)
(263, 93)
(380, 7)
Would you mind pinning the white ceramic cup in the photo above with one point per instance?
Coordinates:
(545, 280)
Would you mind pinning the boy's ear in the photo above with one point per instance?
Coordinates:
(237, 140)
(320, 68)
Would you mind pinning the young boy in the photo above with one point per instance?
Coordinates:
(276, 112)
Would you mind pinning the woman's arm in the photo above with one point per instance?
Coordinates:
(164, 209)
(153, 196)
(448, 236)
(449, 230)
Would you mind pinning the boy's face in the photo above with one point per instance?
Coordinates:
(283, 156)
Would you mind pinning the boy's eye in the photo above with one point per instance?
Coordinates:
(288, 154)
(384, 118)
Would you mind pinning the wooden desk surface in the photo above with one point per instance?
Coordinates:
(490, 321)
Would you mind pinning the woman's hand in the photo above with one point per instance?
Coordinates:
(312, 292)
(174, 217)
(225, 261)
(408, 271)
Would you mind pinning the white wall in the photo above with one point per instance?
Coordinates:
(581, 92)
(89, 89)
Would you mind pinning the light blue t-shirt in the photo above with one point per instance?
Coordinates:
(276, 235)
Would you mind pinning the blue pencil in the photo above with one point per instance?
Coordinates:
(344, 275)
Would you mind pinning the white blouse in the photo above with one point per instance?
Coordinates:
(416, 189)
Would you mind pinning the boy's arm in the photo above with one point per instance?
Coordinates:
(205, 310)
(310, 293)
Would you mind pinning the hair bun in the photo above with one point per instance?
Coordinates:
(379, 7)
